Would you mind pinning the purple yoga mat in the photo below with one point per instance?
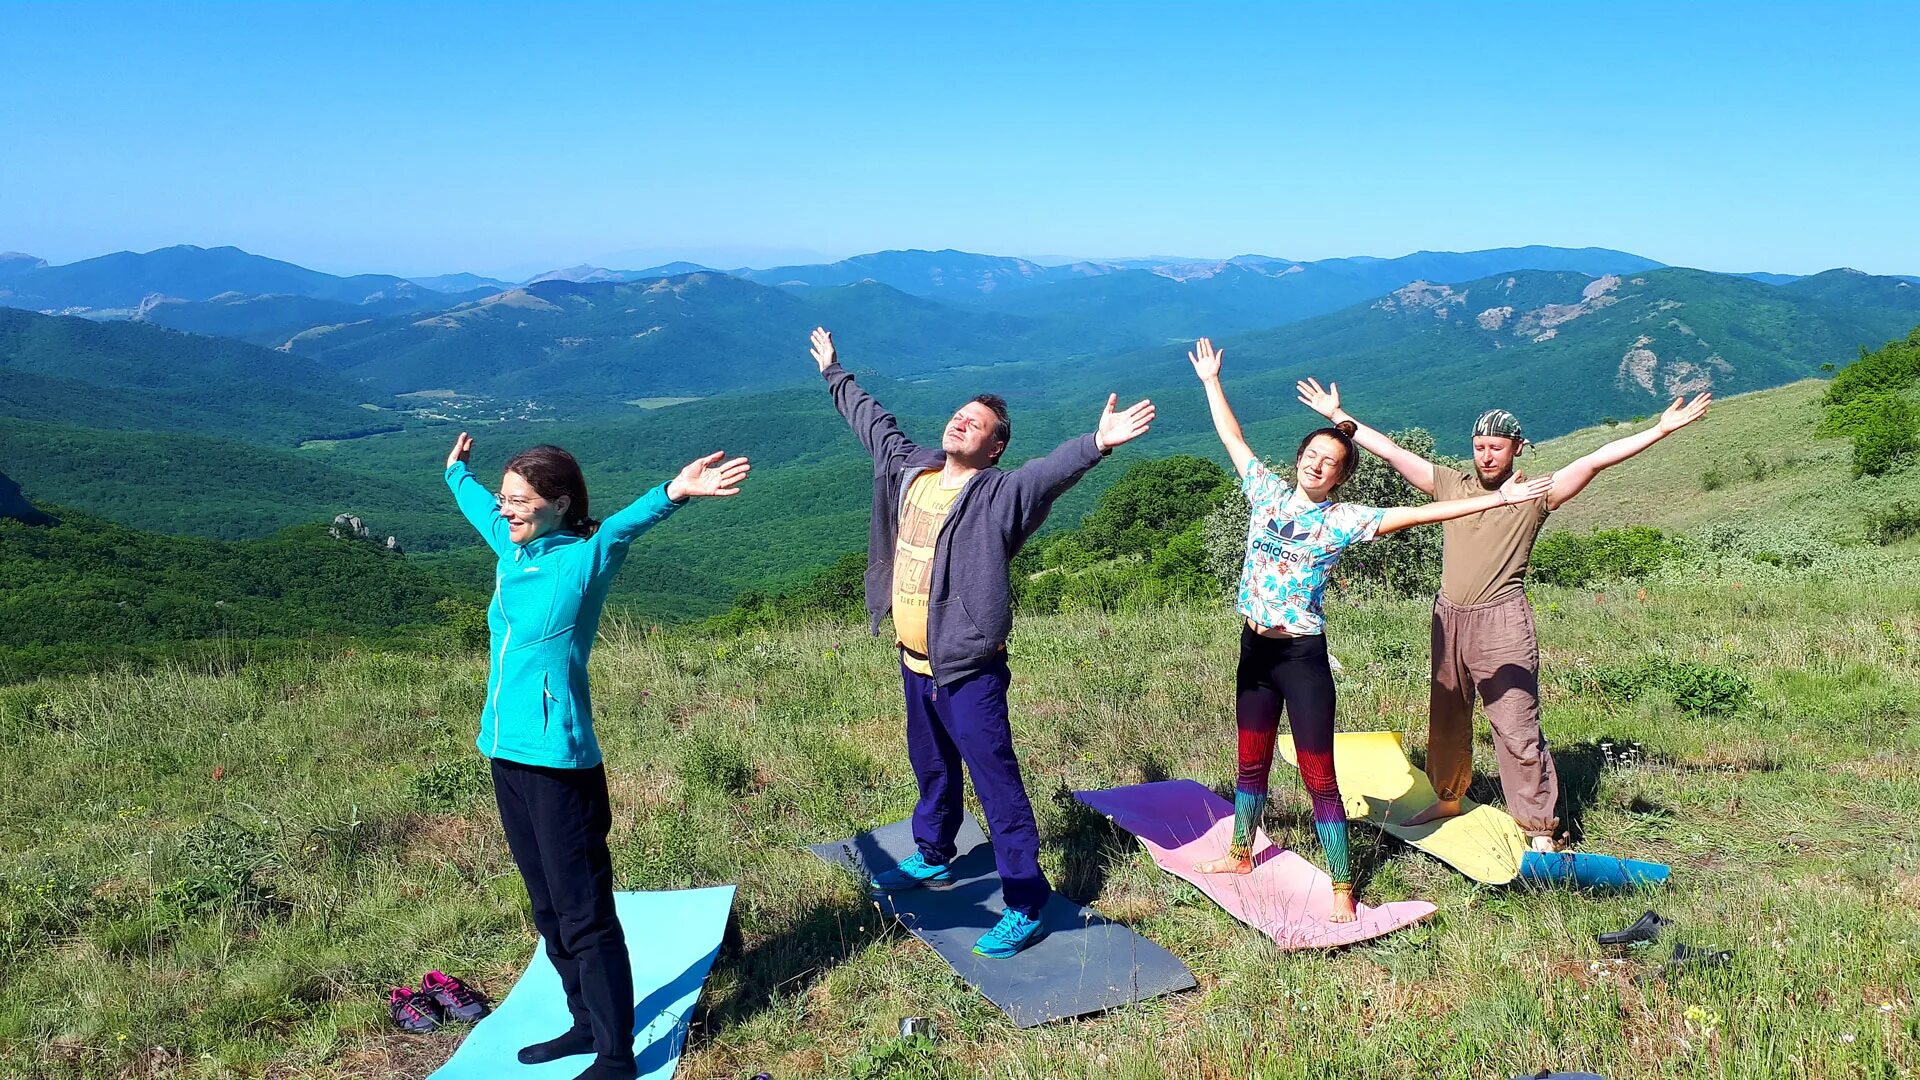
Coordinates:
(1286, 897)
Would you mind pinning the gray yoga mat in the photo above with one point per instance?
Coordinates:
(1084, 965)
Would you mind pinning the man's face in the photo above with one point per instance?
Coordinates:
(1493, 457)
(969, 435)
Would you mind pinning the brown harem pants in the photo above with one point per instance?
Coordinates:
(1491, 649)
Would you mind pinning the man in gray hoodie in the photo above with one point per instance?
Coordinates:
(946, 524)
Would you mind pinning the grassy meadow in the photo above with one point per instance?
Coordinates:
(218, 873)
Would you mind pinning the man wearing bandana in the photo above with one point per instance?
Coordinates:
(1484, 642)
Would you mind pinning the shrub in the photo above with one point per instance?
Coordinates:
(1698, 689)
(1152, 502)
(1897, 522)
(1575, 561)
(1713, 478)
(1867, 404)
(715, 763)
(449, 785)
(1887, 437)
(463, 623)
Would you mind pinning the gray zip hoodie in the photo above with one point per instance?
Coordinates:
(970, 607)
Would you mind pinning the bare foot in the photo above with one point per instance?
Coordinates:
(1343, 909)
(1227, 864)
(1543, 844)
(1445, 808)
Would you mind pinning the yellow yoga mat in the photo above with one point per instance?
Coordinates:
(1382, 787)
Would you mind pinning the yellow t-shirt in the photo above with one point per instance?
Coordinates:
(925, 511)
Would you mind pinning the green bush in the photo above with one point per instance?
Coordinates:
(1868, 403)
(1152, 502)
(717, 764)
(1713, 478)
(1897, 522)
(1889, 436)
(1698, 689)
(449, 785)
(914, 1058)
(1576, 561)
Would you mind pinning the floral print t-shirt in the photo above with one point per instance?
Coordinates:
(1292, 544)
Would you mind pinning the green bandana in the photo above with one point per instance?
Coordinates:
(1498, 422)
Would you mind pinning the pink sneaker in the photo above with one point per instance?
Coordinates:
(454, 998)
(411, 1011)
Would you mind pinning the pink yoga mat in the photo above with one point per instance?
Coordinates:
(1285, 897)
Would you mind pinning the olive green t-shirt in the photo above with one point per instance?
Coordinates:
(1485, 558)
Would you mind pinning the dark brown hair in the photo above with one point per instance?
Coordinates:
(1003, 427)
(553, 472)
(1341, 433)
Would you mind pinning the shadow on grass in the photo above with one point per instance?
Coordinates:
(785, 964)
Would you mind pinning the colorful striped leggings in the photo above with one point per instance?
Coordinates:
(1293, 672)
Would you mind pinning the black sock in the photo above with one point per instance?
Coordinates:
(601, 1069)
(576, 1040)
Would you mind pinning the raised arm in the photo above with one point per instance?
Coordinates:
(1569, 481)
(1417, 470)
(476, 503)
(702, 477)
(1036, 484)
(1513, 491)
(1206, 364)
(873, 425)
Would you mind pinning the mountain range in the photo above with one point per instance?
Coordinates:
(284, 407)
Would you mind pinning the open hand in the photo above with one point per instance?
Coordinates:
(708, 476)
(462, 447)
(1517, 491)
(822, 347)
(1119, 428)
(1325, 401)
(1678, 416)
(1206, 361)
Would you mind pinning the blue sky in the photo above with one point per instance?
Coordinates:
(420, 138)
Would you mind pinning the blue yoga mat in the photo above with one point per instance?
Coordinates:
(1084, 965)
(1587, 871)
(672, 938)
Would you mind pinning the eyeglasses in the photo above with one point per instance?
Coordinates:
(517, 503)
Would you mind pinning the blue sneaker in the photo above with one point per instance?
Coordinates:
(1012, 933)
(913, 872)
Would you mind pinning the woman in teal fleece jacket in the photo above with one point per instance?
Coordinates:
(536, 727)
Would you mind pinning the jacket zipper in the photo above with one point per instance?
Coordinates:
(500, 666)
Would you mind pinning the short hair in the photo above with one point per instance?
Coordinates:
(1002, 426)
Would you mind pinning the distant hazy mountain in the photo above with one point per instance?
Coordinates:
(1770, 278)
(1249, 292)
(585, 275)
(1852, 288)
(15, 263)
(118, 283)
(1559, 348)
(459, 283)
(696, 334)
(272, 320)
(129, 376)
(942, 275)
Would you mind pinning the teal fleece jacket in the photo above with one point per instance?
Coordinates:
(547, 598)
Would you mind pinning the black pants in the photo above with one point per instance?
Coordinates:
(556, 822)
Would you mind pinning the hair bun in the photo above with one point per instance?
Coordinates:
(1347, 428)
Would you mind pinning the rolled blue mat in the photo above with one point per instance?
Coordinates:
(1588, 871)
